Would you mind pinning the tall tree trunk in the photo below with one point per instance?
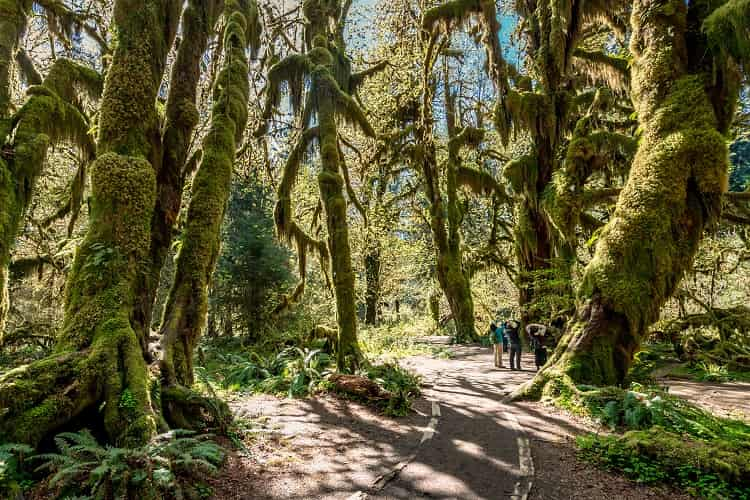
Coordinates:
(181, 117)
(372, 277)
(534, 256)
(331, 185)
(187, 305)
(672, 194)
(98, 361)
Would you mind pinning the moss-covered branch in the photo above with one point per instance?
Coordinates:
(186, 307)
(51, 114)
(614, 70)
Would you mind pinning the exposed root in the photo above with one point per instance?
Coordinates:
(185, 408)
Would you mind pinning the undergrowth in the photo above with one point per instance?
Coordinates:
(402, 384)
(663, 438)
(303, 371)
(171, 466)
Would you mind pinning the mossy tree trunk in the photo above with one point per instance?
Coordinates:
(98, 361)
(187, 304)
(181, 117)
(372, 277)
(332, 84)
(684, 98)
(13, 16)
(331, 184)
(445, 215)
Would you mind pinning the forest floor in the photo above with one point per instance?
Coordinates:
(461, 441)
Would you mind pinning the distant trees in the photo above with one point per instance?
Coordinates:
(253, 268)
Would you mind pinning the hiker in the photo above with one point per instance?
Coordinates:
(497, 336)
(538, 338)
(504, 337)
(514, 339)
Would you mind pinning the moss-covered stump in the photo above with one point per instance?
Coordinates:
(184, 408)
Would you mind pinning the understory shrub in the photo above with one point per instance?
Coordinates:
(15, 473)
(707, 470)
(171, 466)
(293, 371)
(666, 439)
(402, 384)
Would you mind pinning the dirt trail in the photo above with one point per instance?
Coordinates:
(472, 446)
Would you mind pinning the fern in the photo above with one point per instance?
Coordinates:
(164, 468)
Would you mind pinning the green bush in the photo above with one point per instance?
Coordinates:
(667, 439)
(707, 470)
(401, 383)
(293, 371)
(170, 466)
(711, 372)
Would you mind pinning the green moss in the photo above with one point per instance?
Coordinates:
(51, 115)
(186, 307)
(13, 14)
(726, 30)
(672, 194)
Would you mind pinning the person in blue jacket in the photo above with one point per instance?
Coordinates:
(497, 337)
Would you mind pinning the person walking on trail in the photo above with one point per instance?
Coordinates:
(497, 336)
(538, 336)
(514, 339)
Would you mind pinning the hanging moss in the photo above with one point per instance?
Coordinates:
(479, 181)
(51, 114)
(13, 14)
(521, 174)
(588, 152)
(328, 70)
(611, 69)
(727, 30)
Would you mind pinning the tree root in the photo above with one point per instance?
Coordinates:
(184, 408)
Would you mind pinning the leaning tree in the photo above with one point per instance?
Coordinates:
(187, 305)
(685, 81)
